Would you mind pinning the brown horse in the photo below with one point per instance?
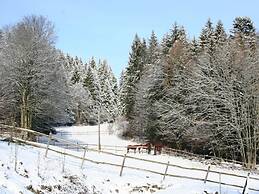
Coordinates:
(158, 148)
(146, 146)
(140, 147)
(132, 147)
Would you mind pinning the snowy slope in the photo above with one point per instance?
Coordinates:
(88, 134)
(35, 172)
(56, 174)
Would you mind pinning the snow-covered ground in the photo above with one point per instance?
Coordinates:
(56, 174)
(89, 134)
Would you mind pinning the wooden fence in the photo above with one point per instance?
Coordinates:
(65, 133)
(125, 157)
(74, 146)
(173, 152)
(167, 151)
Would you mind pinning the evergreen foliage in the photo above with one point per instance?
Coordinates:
(200, 96)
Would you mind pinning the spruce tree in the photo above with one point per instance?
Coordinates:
(257, 39)
(153, 52)
(76, 77)
(176, 33)
(166, 44)
(207, 39)
(144, 53)
(108, 91)
(132, 75)
(244, 31)
(114, 96)
(194, 48)
(91, 81)
(178, 54)
(220, 35)
(121, 94)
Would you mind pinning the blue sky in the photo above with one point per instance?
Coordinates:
(105, 28)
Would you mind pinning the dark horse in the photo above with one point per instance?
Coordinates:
(158, 146)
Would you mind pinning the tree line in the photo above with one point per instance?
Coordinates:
(199, 95)
(40, 86)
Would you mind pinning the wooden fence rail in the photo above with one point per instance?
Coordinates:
(47, 147)
(171, 151)
(81, 133)
(121, 155)
(129, 167)
(76, 148)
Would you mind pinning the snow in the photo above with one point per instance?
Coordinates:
(35, 172)
(89, 135)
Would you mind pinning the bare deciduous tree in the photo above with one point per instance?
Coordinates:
(32, 70)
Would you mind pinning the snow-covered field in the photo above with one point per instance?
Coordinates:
(89, 135)
(56, 174)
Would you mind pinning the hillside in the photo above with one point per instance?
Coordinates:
(59, 174)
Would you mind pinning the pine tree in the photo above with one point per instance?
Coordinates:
(69, 63)
(149, 93)
(220, 35)
(194, 48)
(132, 75)
(207, 39)
(114, 94)
(176, 33)
(81, 103)
(257, 39)
(122, 93)
(76, 77)
(143, 53)
(244, 31)
(181, 35)
(108, 91)
(166, 44)
(153, 53)
(178, 54)
(91, 81)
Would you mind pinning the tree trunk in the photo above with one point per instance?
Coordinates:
(78, 115)
(29, 120)
(22, 117)
(24, 113)
(255, 153)
(23, 110)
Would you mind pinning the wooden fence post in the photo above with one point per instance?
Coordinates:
(63, 162)
(206, 177)
(15, 156)
(46, 153)
(83, 158)
(122, 165)
(11, 134)
(38, 164)
(219, 182)
(244, 189)
(166, 170)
